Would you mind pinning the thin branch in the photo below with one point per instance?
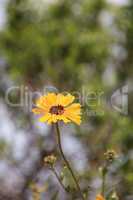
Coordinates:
(58, 178)
(67, 163)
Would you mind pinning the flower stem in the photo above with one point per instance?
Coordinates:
(103, 185)
(67, 163)
(58, 178)
(104, 172)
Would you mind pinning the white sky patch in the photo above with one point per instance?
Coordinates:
(14, 137)
(10, 177)
(42, 128)
(106, 19)
(7, 128)
(109, 75)
(20, 146)
(118, 2)
(3, 17)
(74, 149)
(40, 5)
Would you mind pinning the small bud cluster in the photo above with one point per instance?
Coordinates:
(110, 156)
(50, 160)
(114, 196)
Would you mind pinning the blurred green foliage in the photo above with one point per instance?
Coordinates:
(67, 46)
(67, 39)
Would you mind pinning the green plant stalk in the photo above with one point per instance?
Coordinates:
(103, 185)
(104, 173)
(58, 178)
(66, 162)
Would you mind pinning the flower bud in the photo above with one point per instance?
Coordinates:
(110, 156)
(50, 160)
(114, 196)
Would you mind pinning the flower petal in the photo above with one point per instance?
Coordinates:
(51, 99)
(39, 110)
(63, 118)
(65, 100)
(73, 117)
(45, 117)
(46, 100)
(54, 118)
(74, 108)
(42, 103)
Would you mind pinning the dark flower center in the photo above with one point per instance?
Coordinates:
(57, 110)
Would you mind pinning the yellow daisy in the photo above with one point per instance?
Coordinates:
(99, 197)
(55, 107)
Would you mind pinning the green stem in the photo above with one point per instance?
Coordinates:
(58, 178)
(103, 185)
(104, 172)
(67, 163)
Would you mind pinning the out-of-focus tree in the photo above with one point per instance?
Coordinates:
(59, 45)
(66, 44)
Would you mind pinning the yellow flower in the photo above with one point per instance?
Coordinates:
(55, 107)
(99, 197)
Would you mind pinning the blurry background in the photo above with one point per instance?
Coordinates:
(71, 45)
